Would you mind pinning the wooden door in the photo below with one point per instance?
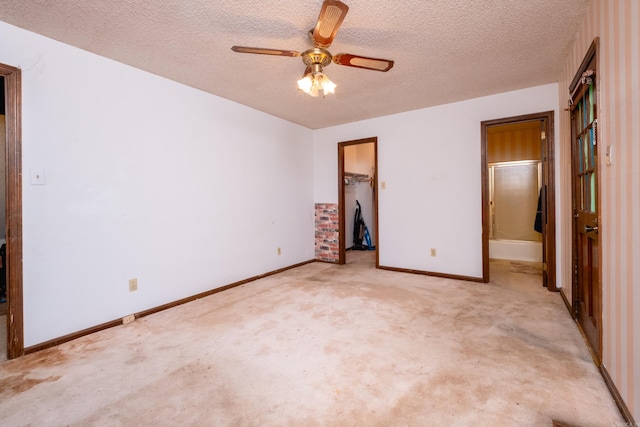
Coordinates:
(587, 297)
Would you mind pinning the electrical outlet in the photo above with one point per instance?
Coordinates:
(433, 251)
(133, 285)
(128, 319)
(279, 251)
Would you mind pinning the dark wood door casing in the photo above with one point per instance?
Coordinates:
(13, 109)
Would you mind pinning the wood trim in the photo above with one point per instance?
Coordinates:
(375, 201)
(484, 182)
(75, 335)
(591, 52)
(549, 237)
(342, 258)
(217, 290)
(70, 337)
(596, 47)
(13, 100)
(574, 243)
(433, 274)
(550, 177)
(624, 410)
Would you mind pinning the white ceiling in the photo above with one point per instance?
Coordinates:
(444, 50)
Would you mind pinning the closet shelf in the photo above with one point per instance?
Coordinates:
(352, 178)
(356, 175)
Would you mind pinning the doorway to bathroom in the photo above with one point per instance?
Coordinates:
(518, 194)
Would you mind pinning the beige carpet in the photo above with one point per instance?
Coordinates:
(525, 267)
(326, 345)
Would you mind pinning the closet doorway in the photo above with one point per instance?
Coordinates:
(358, 198)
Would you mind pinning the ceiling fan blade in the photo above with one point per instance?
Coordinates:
(262, 51)
(331, 16)
(375, 64)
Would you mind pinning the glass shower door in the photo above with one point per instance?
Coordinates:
(514, 190)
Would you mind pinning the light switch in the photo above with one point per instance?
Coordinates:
(37, 176)
(383, 185)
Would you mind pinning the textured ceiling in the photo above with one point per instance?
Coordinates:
(444, 50)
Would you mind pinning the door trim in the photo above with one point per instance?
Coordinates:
(342, 257)
(548, 172)
(13, 99)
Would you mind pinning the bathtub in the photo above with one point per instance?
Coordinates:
(517, 250)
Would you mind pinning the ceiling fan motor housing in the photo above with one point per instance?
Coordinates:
(316, 56)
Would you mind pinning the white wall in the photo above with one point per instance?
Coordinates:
(429, 160)
(145, 178)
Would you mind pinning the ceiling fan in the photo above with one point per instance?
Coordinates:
(314, 82)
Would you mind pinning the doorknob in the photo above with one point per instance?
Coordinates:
(588, 228)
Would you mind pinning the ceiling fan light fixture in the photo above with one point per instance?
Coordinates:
(327, 85)
(305, 83)
(315, 83)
